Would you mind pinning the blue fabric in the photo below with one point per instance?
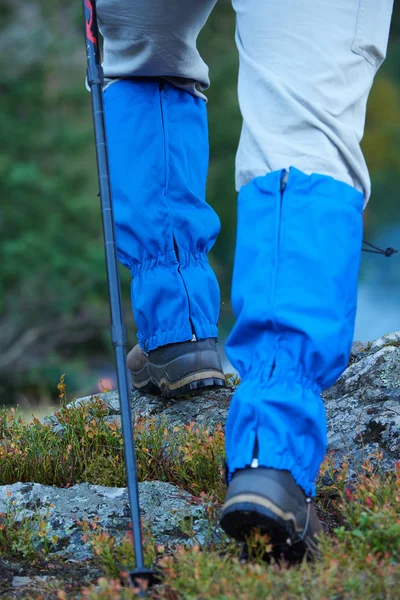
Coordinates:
(294, 296)
(158, 152)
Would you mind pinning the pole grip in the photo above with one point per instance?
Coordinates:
(95, 73)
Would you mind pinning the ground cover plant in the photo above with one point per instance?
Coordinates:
(360, 553)
(90, 449)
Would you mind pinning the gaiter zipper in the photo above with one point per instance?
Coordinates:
(166, 182)
(283, 183)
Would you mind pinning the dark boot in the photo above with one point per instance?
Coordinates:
(177, 369)
(270, 501)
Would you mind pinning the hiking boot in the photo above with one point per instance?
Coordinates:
(177, 369)
(271, 502)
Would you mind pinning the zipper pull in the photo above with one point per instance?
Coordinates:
(254, 462)
(284, 180)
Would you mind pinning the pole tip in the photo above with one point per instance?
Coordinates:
(139, 576)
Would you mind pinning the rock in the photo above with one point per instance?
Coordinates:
(163, 506)
(358, 351)
(363, 407)
(111, 399)
(390, 339)
(208, 409)
(23, 582)
(363, 415)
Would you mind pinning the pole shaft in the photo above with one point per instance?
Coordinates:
(95, 80)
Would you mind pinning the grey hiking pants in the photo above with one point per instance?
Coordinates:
(306, 68)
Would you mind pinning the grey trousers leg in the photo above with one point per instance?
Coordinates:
(306, 69)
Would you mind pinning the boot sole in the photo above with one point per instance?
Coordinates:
(246, 513)
(185, 374)
(187, 385)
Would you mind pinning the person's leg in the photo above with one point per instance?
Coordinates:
(158, 146)
(154, 38)
(305, 72)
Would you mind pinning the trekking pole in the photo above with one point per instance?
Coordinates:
(95, 79)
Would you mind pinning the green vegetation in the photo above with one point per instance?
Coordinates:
(22, 535)
(360, 553)
(54, 311)
(356, 555)
(90, 449)
(53, 296)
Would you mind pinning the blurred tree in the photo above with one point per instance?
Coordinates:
(53, 293)
(52, 287)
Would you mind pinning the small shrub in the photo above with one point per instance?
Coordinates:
(23, 536)
(90, 449)
(372, 513)
(112, 556)
(107, 589)
(360, 557)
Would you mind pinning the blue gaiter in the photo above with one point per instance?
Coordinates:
(294, 296)
(158, 152)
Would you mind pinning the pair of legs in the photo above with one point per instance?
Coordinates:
(305, 72)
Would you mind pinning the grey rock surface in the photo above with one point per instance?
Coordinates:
(163, 506)
(363, 416)
(23, 582)
(206, 410)
(363, 407)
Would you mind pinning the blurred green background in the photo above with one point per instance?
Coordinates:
(53, 295)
